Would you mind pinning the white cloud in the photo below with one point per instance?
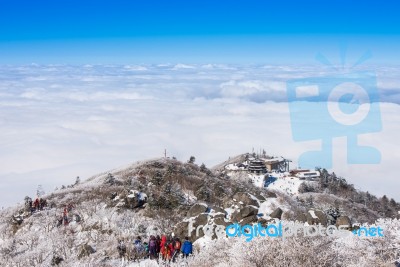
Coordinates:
(182, 66)
(120, 116)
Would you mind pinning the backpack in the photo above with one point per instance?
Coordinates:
(177, 245)
(121, 247)
(139, 247)
(166, 250)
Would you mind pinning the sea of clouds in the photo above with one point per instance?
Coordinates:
(62, 121)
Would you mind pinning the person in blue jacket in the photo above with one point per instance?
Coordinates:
(187, 247)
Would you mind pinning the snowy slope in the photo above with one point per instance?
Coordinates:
(38, 239)
(288, 185)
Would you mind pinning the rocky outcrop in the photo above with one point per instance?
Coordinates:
(201, 219)
(316, 217)
(277, 213)
(135, 199)
(245, 215)
(246, 199)
(248, 211)
(218, 209)
(301, 218)
(196, 209)
(221, 221)
(198, 216)
(270, 194)
(17, 220)
(181, 230)
(343, 220)
(262, 221)
(249, 220)
(56, 260)
(85, 250)
(321, 217)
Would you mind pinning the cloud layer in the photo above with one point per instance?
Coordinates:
(61, 121)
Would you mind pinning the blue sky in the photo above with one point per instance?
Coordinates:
(189, 31)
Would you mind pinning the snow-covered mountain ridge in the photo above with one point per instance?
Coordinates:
(162, 196)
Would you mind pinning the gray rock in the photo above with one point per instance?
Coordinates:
(277, 213)
(236, 216)
(248, 211)
(249, 220)
(17, 220)
(56, 260)
(85, 250)
(301, 218)
(181, 230)
(132, 202)
(219, 215)
(263, 222)
(227, 202)
(196, 209)
(321, 218)
(343, 220)
(269, 194)
(201, 219)
(246, 199)
(260, 197)
(219, 209)
(330, 219)
(197, 227)
(221, 221)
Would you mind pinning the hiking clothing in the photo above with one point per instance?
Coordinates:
(187, 248)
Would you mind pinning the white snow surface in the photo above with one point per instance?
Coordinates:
(257, 179)
(289, 185)
(313, 214)
(268, 206)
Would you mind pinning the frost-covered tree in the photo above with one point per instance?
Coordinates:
(77, 180)
(332, 214)
(110, 179)
(310, 201)
(192, 159)
(393, 203)
(39, 191)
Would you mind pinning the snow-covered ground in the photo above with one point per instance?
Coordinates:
(234, 167)
(268, 206)
(102, 225)
(257, 179)
(288, 185)
(283, 183)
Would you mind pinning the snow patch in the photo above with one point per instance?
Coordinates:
(203, 241)
(267, 207)
(313, 214)
(288, 185)
(257, 180)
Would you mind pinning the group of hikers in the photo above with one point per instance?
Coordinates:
(32, 206)
(40, 203)
(166, 248)
(64, 218)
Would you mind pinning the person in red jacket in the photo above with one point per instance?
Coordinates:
(36, 204)
(163, 241)
(177, 248)
(166, 252)
(65, 216)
